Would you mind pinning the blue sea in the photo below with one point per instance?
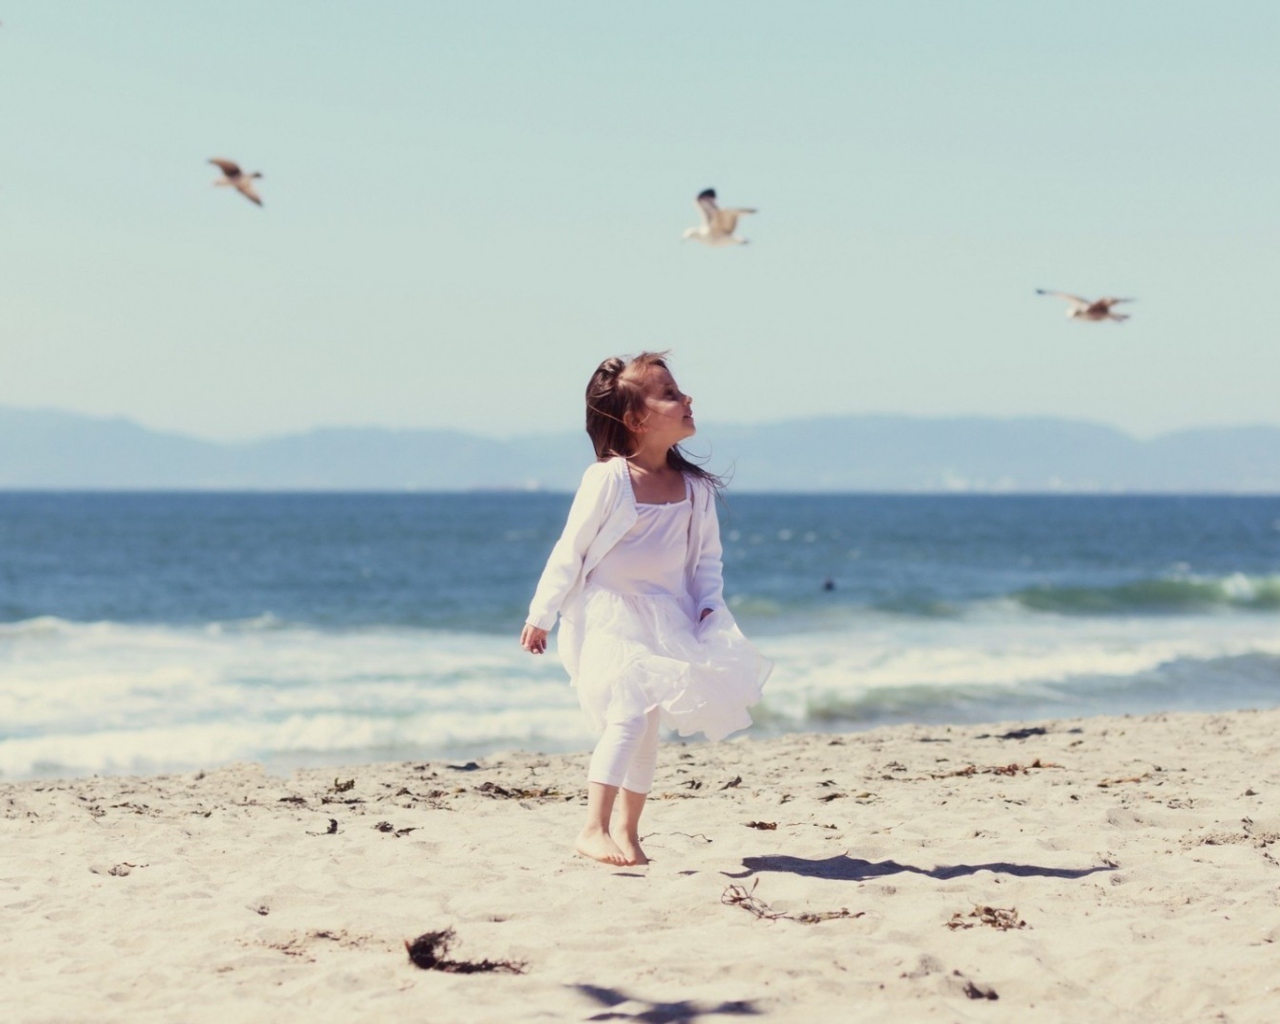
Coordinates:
(156, 632)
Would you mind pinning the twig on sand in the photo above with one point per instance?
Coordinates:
(813, 917)
(1108, 783)
(687, 835)
(737, 896)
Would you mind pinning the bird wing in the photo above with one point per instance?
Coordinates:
(1109, 302)
(246, 189)
(229, 167)
(727, 220)
(707, 206)
(1064, 295)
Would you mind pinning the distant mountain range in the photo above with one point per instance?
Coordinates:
(54, 450)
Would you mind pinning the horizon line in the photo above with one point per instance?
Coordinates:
(120, 418)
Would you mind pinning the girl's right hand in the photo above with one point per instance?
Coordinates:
(533, 639)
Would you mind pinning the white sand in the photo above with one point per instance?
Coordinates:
(1143, 863)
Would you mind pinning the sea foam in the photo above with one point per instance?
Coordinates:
(110, 697)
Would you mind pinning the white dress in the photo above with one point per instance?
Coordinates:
(635, 643)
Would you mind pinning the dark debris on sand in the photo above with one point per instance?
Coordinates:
(430, 950)
(972, 989)
(998, 769)
(386, 826)
(492, 789)
(1000, 918)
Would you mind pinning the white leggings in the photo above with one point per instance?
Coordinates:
(627, 754)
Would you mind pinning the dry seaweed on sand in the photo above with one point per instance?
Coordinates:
(996, 769)
(764, 826)
(430, 951)
(386, 826)
(813, 917)
(1019, 734)
(1001, 918)
(492, 789)
(118, 870)
(737, 896)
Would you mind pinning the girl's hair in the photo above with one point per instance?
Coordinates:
(617, 388)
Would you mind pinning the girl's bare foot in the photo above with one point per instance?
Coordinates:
(631, 849)
(600, 846)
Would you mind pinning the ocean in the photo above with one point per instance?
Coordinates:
(162, 632)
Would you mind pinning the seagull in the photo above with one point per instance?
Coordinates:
(237, 179)
(1085, 309)
(717, 225)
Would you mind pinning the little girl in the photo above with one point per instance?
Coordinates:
(636, 579)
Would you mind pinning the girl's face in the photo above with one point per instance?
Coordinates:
(668, 411)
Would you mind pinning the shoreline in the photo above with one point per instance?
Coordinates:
(1128, 866)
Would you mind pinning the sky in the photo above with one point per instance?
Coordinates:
(468, 206)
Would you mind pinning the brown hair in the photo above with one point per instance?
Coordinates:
(616, 389)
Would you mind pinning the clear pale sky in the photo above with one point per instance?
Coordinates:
(468, 205)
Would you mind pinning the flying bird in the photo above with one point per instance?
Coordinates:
(1087, 309)
(237, 179)
(717, 225)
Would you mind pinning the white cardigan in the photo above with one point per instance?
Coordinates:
(603, 510)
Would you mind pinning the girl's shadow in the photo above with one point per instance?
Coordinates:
(852, 869)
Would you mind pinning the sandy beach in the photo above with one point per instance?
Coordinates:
(1101, 868)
